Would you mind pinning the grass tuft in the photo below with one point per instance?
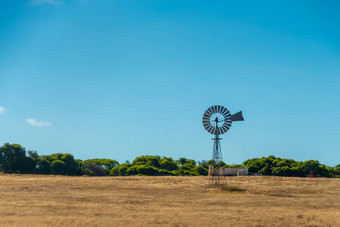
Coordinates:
(227, 188)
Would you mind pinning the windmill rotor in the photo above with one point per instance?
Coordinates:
(217, 120)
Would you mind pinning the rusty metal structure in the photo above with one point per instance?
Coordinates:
(216, 174)
(217, 120)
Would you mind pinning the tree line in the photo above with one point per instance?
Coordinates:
(15, 159)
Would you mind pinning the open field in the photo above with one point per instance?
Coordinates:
(31, 200)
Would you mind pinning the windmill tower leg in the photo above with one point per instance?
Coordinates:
(216, 173)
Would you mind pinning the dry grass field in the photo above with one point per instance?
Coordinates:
(31, 200)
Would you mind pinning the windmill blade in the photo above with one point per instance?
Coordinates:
(209, 128)
(206, 124)
(212, 130)
(228, 121)
(227, 124)
(224, 129)
(214, 109)
(237, 117)
(207, 115)
(209, 112)
(205, 118)
(224, 111)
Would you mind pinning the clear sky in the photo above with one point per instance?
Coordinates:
(119, 79)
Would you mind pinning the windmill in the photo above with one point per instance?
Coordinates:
(217, 120)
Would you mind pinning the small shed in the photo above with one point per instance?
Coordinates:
(236, 171)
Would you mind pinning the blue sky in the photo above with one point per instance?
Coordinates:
(119, 79)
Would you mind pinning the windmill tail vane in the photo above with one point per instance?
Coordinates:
(237, 117)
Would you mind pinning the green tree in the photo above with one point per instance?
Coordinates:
(59, 167)
(43, 166)
(10, 156)
(297, 169)
(24, 165)
(33, 154)
(337, 170)
(95, 169)
(281, 171)
(103, 162)
(262, 165)
(142, 170)
(114, 171)
(253, 165)
(200, 170)
(168, 164)
(221, 163)
(71, 164)
(186, 169)
(88, 172)
(147, 160)
(311, 167)
(122, 169)
(182, 161)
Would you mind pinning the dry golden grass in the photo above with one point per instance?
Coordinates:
(30, 200)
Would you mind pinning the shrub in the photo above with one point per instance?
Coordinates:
(10, 156)
(103, 162)
(24, 165)
(200, 170)
(59, 167)
(43, 166)
(95, 169)
(88, 172)
(114, 171)
(123, 168)
(163, 172)
(147, 160)
(142, 169)
(168, 164)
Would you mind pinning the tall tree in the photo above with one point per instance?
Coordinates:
(13, 159)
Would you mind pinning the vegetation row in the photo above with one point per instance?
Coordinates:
(15, 159)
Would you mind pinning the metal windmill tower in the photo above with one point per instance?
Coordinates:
(217, 120)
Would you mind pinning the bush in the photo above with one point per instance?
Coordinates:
(142, 169)
(88, 172)
(147, 160)
(114, 171)
(200, 170)
(163, 172)
(59, 167)
(182, 172)
(10, 157)
(71, 164)
(187, 166)
(103, 162)
(122, 169)
(168, 164)
(96, 170)
(24, 165)
(43, 166)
